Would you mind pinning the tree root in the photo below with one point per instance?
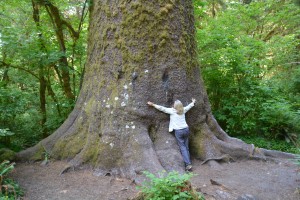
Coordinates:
(258, 154)
(67, 168)
(213, 182)
(225, 158)
(217, 146)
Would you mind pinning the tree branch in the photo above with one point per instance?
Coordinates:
(74, 33)
(82, 17)
(20, 68)
(59, 21)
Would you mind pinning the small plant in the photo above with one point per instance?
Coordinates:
(8, 188)
(5, 132)
(6, 167)
(46, 155)
(5, 135)
(172, 186)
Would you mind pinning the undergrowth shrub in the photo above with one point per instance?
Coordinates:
(281, 119)
(267, 143)
(171, 186)
(9, 189)
(251, 92)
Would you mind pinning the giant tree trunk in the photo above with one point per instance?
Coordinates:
(139, 51)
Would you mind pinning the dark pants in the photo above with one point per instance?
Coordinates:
(182, 137)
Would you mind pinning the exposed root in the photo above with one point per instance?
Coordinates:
(219, 147)
(72, 165)
(276, 154)
(232, 149)
(225, 158)
(67, 168)
(156, 151)
(213, 182)
(213, 164)
(139, 196)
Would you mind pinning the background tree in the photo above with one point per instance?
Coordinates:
(31, 66)
(248, 53)
(139, 51)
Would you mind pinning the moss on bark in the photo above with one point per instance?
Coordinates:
(138, 51)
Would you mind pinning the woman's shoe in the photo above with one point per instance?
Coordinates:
(188, 168)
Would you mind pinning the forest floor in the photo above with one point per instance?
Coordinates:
(243, 180)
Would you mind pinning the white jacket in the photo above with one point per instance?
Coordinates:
(176, 121)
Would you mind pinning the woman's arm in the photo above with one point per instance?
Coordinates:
(161, 108)
(188, 107)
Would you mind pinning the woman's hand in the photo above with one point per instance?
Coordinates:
(150, 103)
(193, 100)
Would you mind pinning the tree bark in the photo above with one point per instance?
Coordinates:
(41, 77)
(42, 93)
(58, 24)
(140, 51)
(53, 96)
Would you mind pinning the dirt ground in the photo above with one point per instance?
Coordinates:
(244, 180)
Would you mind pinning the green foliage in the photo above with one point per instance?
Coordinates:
(20, 115)
(249, 55)
(29, 53)
(8, 188)
(11, 191)
(5, 168)
(279, 117)
(268, 143)
(169, 186)
(5, 132)
(6, 154)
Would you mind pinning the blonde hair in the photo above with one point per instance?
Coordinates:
(178, 107)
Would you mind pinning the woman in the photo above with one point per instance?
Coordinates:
(179, 125)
